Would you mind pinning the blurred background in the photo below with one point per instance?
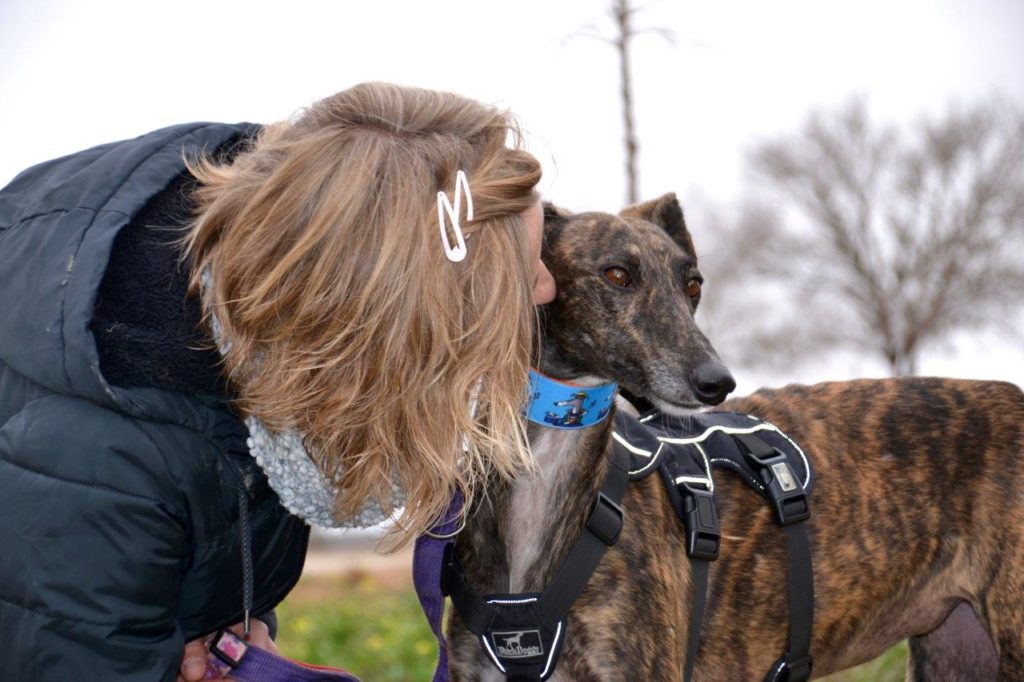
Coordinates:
(852, 173)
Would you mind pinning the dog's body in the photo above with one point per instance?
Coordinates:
(917, 526)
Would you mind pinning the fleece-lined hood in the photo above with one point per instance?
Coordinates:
(58, 222)
(128, 493)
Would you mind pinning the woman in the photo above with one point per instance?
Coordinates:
(317, 338)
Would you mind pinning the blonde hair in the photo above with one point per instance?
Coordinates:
(340, 312)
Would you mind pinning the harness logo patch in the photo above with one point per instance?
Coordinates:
(518, 643)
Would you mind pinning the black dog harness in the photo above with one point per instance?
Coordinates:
(522, 634)
(684, 450)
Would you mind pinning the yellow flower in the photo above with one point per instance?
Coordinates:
(301, 625)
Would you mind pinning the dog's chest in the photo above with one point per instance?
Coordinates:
(530, 517)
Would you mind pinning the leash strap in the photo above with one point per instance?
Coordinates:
(233, 658)
(427, 565)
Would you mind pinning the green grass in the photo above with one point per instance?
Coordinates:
(889, 667)
(378, 633)
(353, 623)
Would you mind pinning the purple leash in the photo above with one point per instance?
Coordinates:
(232, 658)
(426, 575)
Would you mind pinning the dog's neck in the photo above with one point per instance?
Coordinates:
(544, 512)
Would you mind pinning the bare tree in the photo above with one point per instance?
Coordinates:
(623, 12)
(888, 240)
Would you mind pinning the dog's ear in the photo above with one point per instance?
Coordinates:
(554, 215)
(666, 213)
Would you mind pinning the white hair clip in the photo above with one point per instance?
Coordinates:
(458, 252)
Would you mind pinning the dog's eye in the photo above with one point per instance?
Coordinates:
(693, 289)
(618, 276)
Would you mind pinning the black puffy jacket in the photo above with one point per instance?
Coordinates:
(121, 464)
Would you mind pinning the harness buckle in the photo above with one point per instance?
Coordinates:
(793, 670)
(703, 532)
(605, 519)
(784, 490)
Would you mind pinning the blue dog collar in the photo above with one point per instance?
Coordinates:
(564, 406)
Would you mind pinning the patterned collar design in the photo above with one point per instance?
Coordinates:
(560, 405)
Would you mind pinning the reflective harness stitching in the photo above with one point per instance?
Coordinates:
(762, 426)
(768, 461)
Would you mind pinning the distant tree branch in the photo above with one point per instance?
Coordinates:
(908, 233)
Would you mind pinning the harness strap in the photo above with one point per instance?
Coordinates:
(476, 614)
(795, 664)
(791, 510)
(699, 578)
(693, 500)
(601, 531)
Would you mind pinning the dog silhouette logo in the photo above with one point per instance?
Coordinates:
(518, 643)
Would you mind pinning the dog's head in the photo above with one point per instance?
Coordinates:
(628, 287)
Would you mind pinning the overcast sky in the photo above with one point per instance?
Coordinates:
(74, 73)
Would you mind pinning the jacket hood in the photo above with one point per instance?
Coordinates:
(58, 222)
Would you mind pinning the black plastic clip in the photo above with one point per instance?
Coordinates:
(605, 519)
(796, 670)
(784, 490)
(447, 569)
(703, 532)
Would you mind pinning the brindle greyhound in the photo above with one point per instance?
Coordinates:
(917, 528)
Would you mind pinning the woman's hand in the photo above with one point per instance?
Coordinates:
(193, 662)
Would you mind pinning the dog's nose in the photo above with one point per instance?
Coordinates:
(712, 382)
